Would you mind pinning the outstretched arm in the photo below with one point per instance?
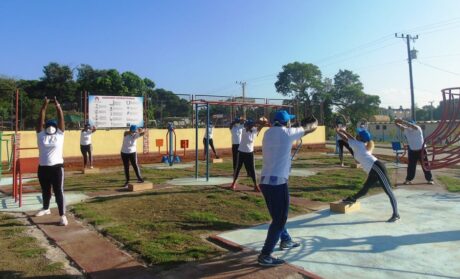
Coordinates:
(93, 129)
(309, 124)
(141, 131)
(60, 115)
(41, 116)
(344, 134)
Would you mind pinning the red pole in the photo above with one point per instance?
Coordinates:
(17, 110)
(86, 106)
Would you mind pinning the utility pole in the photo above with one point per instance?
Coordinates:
(243, 87)
(410, 55)
(431, 110)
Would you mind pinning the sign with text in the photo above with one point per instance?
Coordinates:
(115, 111)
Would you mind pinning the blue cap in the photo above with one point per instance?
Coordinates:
(249, 122)
(413, 122)
(283, 116)
(364, 134)
(133, 128)
(51, 123)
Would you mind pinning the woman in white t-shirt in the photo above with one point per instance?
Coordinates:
(50, 140)
(86, 146)
(246, 152)
(129, 152)
(342, 143)
(362, 147)
(209, 132)
(236, 129)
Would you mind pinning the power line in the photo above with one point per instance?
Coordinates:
(439, 69)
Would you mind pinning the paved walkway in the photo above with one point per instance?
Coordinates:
(425, 243)
(95, 255)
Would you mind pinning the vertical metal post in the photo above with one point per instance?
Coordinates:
(17, 108)
(207, 141)
(196, 141)
(412, 108)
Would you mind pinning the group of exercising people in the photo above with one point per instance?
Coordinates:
(276, 152)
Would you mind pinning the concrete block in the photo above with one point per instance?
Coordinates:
(220, 160)
(88, 171)
(355, 165)
(343, 207)
(134, 186)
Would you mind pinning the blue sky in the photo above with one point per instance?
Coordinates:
(204, 46)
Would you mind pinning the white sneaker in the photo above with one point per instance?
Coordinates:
(64, 221)
(91, 167)
(43, 212)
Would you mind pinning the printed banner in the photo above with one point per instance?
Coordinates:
(115, 111)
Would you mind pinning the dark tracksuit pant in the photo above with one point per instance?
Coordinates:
(234, 155)
(86, 151)
(343, 144)
(52, 177)
(277, 200)
(130, 157)
(378, 173)
(414, 157)
(211, 143)
(246, 158)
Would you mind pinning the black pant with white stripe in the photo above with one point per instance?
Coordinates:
(86, 151)
(131, 157)
(52, 176)
(378, 173)
(414, 157)
(246, 158)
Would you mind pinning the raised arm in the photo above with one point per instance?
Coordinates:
(141, 131)
(93, 129)
(344, 134)
(60, 115)
(41, 116)
(309, 124)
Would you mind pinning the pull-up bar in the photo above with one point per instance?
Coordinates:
(206, 104)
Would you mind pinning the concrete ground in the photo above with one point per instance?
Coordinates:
(425, 243)
(34, 202)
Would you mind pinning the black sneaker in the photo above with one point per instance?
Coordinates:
(140, 180)
(394, 218)
(289, 244)
(267, 260)
(349, 200)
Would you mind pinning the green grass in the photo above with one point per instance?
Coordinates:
(166, 226)
(452, 184)
(21, 254)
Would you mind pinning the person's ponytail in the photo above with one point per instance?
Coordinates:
(370, 146)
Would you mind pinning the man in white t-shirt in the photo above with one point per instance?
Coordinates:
(416, 152)
(276, 151)
(209, 134)
(86, 146)
(236, 129)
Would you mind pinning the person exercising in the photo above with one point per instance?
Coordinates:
(414, 136)
(86, 146)
(342, 143)
(50, 140)
(209, 134)
(129, 152)
(236, 129)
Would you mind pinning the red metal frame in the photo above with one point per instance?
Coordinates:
(440, 154)
(224, 103)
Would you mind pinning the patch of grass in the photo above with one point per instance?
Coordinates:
(452, 184)
(198, 216)
(22, 256)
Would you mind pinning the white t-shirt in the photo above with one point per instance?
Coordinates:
(414, 138)
(210, 131)
(85, 137)
(129, 143)
(50, 148)
(276, 150)
(364, 157)
(236, 131)
(341, 129)
(247, 140)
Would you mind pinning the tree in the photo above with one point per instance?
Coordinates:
(133, 83)
(348, 97)
(58, 81)
(301, 81)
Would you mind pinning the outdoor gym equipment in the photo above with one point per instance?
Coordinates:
(171, 140)
(443, 145)
(9, 155)
(205, 104)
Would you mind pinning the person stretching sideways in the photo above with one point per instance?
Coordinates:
(129, 154)
(86, 147)
(236, 128)
(362, 147)
(246, 152)
(50, 140)
(209, 133)
(416, 152)
(276, 151)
